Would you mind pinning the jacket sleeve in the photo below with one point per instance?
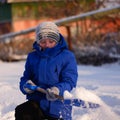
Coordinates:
(26, 75)
(68, 75)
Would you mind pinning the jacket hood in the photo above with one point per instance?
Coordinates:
(49, 52)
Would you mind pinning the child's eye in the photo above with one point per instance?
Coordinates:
(42, 42)
(51, 41)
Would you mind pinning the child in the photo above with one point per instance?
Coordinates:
(52, 67)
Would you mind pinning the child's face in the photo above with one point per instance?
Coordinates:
(47, 43)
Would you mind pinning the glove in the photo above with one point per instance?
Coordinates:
(51, 93)
(29, 87)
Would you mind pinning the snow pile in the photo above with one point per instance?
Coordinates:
(82, 93)
(95, 84)
(103, 112)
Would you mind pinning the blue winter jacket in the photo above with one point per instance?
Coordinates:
(52, 67)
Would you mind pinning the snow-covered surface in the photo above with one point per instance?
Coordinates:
(97, 84)
(108, 3)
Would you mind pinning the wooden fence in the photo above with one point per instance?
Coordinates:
(61, 22)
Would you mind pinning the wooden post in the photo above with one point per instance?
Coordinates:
(69, 37)
(77, 30)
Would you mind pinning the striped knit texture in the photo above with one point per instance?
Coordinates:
(47, 30)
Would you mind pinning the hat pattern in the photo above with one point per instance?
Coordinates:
(47, 30)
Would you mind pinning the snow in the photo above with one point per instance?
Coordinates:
(99, 84)
(108, 3)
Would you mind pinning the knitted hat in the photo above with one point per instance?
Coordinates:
(47, 30)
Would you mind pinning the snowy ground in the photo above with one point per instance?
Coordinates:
(98, 84)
